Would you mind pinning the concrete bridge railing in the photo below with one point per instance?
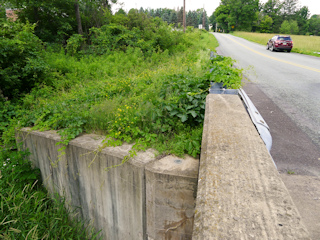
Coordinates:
(238, 193)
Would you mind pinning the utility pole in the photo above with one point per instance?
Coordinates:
(184, 15)
(203, 19)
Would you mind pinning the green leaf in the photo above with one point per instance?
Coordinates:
(168, 108)
(193, 113)
(183, 117)
(174, 112)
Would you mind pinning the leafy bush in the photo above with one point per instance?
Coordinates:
(7, 112)
(135, 30)
(21, 59)
(222, 71)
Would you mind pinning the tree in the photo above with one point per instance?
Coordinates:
(189, 19)
(289, 8)
(195, 19)
(289, 27)
(21, 57)
(166, 17)
(58, 19)
(77, 10)
(266, 24)
(302, 16)
(173, 18)
(212, 20)
(241, 13)
(222, 15)
(272, 8)
(314, 25)
(180, 16)
(55, 20)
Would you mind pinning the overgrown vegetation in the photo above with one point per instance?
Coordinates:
(153, 96)
(301, 44)
(135, 79)
(26, 209)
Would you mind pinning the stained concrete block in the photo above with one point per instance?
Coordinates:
(113, 200)
(240, 193)
(171, 185)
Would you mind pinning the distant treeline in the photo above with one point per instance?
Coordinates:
(172, 16)
(274, 16)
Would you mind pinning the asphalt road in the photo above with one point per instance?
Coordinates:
(285, 88)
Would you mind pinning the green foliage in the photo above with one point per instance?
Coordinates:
(223, 71)
(315, 25)
(266, 24)
(302, 17)
(56, 19)
(75, 44)
(222, 16)
(237, 13)
(21, 59)
(2, 12)
(135, 30)
(26, 209)
(289, 27)
(7, 113)
(154, 99)
(16, 170)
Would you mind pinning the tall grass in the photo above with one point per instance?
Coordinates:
(26, 209)
(301, 44)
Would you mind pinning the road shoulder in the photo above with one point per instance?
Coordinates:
(305, 193)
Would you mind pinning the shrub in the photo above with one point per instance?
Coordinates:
(21, 59)
(289, 27)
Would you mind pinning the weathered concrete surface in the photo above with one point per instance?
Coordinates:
(113, 200)
(240, 193)
(171, 185)
(117, 201)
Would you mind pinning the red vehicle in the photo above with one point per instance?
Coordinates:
(280, 43)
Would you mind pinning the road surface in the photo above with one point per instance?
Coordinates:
(285, 87)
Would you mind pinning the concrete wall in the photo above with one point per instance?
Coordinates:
(240, 192)
(117, 201)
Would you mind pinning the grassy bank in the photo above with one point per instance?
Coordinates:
(301, 44)
(155, 99)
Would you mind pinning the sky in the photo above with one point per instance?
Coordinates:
(209, 5)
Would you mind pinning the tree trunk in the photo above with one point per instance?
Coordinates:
(36, 14)
(76, 7)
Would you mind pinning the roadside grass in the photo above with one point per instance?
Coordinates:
(309, 45)
(26, 209)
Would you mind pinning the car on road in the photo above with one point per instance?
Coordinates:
(283, 43)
